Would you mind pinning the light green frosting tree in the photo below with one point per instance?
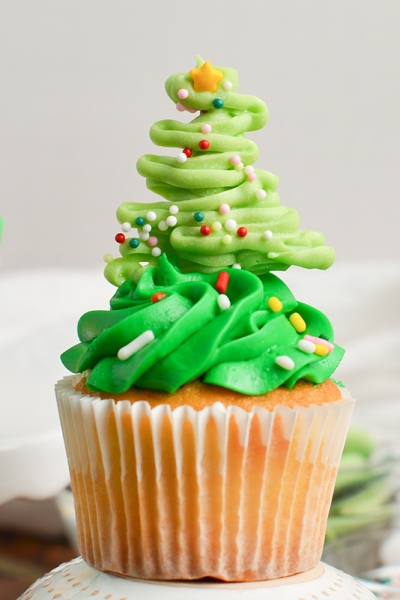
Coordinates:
(208, 179)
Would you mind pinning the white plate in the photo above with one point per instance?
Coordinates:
(76, 580)
(39, 311)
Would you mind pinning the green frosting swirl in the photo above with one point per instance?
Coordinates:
(234, 348)
(206, 181)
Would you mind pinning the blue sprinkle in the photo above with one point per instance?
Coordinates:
(134, 243)
(218, 103)
(139, 221)
(198, 216)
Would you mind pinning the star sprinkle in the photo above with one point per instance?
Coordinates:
(206, 78)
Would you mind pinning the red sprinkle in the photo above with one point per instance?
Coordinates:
(205, 230)
(188, 152)
(204, 145)
(158, 296)
(120, 238)
(242, 232)
(222, 282)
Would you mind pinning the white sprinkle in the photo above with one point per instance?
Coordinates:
(239, 167)
(216, 226)
(227, 85)
(162, 226)
(223, 302)
(236, 266)
(285, 362)
(173, 209)
(147, 228)
(249, 169)
(230, 225)
(144, 236)
(156, 251)
(181, 157)
(261, 194)
(135, 345)
(306, 346)
(108, 258)
(227, 239)
(268, 235)
(171, 221)
(126, 226)
(151, 216)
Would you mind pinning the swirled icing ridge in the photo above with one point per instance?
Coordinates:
(235, 348)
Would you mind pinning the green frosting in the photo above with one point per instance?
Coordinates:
(234, 348)
(246, 344)
(207, 180)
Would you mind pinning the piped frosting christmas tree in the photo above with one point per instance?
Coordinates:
(240, 328)
(220, 210)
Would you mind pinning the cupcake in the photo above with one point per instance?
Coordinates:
(202, 428)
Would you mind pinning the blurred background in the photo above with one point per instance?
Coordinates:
(82, 81)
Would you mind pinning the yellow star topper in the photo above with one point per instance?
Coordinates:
(206, 78)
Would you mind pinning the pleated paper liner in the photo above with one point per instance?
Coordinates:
(222, 492)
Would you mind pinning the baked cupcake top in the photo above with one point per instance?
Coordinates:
(198, 395)
(196, 298)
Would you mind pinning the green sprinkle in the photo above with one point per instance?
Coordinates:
(218, 103)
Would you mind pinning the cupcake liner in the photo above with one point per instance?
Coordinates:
(221, 492)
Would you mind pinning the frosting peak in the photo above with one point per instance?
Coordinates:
(219, 209)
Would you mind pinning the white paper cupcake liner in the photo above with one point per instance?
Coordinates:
(184, 494)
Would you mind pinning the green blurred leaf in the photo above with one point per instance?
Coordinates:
(367, 500)
(344, 524)
(359, 441)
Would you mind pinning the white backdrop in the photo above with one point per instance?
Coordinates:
(82, 82)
